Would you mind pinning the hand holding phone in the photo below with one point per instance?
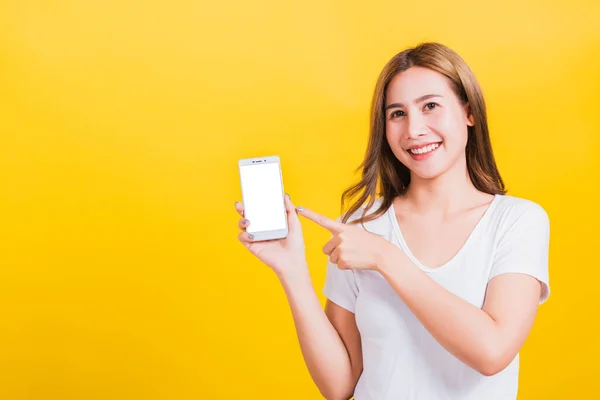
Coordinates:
(270, 217)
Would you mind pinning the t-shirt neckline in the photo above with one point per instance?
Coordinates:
(404, 245)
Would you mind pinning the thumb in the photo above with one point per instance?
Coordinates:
(293, 220)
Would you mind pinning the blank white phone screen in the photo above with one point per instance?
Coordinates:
(263, 201)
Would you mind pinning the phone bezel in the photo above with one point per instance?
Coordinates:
(272, 234)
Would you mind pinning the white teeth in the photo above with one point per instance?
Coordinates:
(425, 149)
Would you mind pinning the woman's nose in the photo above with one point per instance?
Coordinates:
(416, 125)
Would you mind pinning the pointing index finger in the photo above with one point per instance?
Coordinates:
(327, 223)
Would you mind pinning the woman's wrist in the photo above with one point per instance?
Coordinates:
(389, 257)
(296, 272)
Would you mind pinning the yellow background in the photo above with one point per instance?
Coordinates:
(121, 123)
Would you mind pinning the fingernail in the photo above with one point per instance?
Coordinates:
(245, 221)
(236, 202)
(251, 236)
(288, 196)
(300, 209)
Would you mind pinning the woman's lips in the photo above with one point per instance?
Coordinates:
(424, 156)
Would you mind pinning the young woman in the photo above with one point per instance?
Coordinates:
(433, 285)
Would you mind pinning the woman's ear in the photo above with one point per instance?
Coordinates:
(470, 119)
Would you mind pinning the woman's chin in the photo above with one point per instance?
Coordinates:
(427, 172)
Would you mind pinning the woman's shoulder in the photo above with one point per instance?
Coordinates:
(380, 224)
(366, 210)
(512, 209)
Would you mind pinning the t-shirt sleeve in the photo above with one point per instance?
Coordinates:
(340, 286)
(524, 247)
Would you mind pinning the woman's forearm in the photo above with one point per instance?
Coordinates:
(322, 348)
(466, 331)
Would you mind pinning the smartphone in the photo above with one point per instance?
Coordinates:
(262, 194)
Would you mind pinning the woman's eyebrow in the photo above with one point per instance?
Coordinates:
(418, 100)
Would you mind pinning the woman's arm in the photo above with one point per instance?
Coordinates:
(486, 339)
(329, 340)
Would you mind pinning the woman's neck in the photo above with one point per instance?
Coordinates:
(446, 194)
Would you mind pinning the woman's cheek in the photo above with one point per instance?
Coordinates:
(393, 136)
(441, 122)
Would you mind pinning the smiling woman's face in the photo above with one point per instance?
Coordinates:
(426, 125)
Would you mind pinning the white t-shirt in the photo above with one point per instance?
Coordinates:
(401, 360)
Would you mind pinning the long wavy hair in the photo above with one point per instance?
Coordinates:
(382, 170)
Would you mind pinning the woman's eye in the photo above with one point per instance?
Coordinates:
(430, 104)
(395, 114)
